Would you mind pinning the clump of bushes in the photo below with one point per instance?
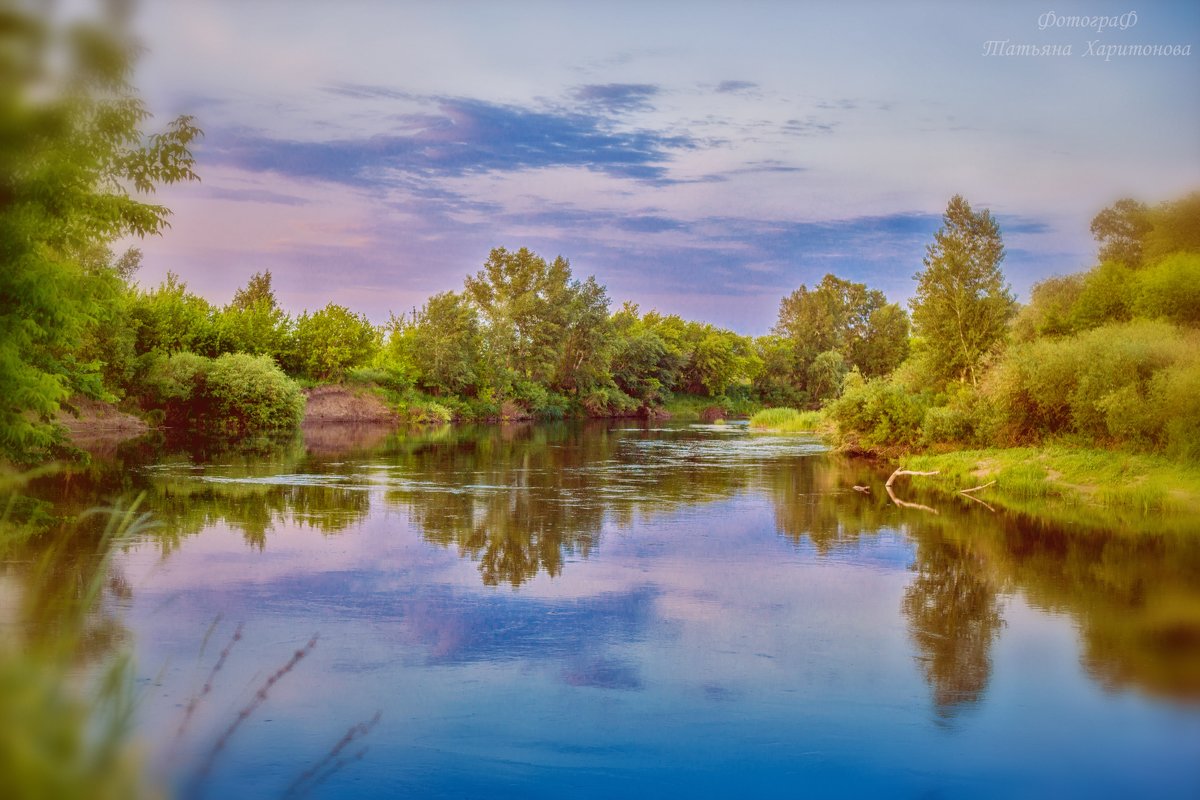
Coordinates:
(1134, 383)
(879, 412)
(233, 394)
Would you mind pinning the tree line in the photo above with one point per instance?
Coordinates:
(1107, 357)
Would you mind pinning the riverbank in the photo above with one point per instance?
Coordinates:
(1083, 485)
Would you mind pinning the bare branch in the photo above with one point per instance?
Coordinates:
(900, 472)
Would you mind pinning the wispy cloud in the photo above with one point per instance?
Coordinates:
(618, 97)
(734, 87)
(461, 136)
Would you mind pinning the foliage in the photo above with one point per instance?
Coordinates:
(837, 316)
(443, 343)
(1170, 290)
(1117, 384)
(878, 412)
(962, 305)
(328, 343)
(235, 393)
(1121, 229)
(643, 366)
(1051, 308)
(170, 319)
(74, 163)
(787, 420)
(540, 327)
(254, 323)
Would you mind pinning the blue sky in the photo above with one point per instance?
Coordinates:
(699, 158)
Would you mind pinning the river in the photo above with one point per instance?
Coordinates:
(622, 610)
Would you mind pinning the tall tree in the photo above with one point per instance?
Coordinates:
(963, 305)
(837, 316)
(253, 322)
(1121, 231)
(541, 326)
(75, 168)
(329, 343)
(444, 345)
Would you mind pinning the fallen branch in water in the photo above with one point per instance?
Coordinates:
(975, 488)
(904, 504)
(900, 472)
(977, 500)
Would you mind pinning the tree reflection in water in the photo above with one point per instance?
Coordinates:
(523, 500)
(953, 617)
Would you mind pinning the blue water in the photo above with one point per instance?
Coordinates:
(629, 612)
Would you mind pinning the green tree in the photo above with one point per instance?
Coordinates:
(1121, 231)
(253, 322)
(642, 365)
(445, 345)
(75, 167)
(541, 327)
(839, 316)
(170, 319)
(1176, 228)
(1050, 311)
(825, 376)
(328, 343)
(963, 305)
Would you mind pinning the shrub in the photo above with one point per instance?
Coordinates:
(1175, 399)
(879, 412)
(429, 413)
(948, 425)
(1133, 383)
(232, 394)
(249, 394)
(1171, 290)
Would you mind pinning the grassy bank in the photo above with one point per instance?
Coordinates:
(788, 420)
(1085, 484)
(686, 407)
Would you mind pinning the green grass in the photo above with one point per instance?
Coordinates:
(1101, 479)
(787, 420)
(685, 407)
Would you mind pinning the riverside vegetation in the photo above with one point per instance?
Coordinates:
(1105, 359)
(1097, 378)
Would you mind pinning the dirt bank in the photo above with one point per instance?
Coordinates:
(99, 426)
(347, 405)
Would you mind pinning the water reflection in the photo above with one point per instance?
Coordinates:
(525, 501)
(953, 613)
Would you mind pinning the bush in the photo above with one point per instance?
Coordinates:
(232, 394)
(1175, 399)
(1171, 290)
(429, 413)
(251, 394)
(948, 425)
(1133, 383)
(879, 412)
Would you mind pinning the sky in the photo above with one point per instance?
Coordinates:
(699, 158)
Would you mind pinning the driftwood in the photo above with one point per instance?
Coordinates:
(900, 472)
(863, 489)
(967, 493)
(904, 504)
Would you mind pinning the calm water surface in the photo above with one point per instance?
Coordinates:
(626, 611)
